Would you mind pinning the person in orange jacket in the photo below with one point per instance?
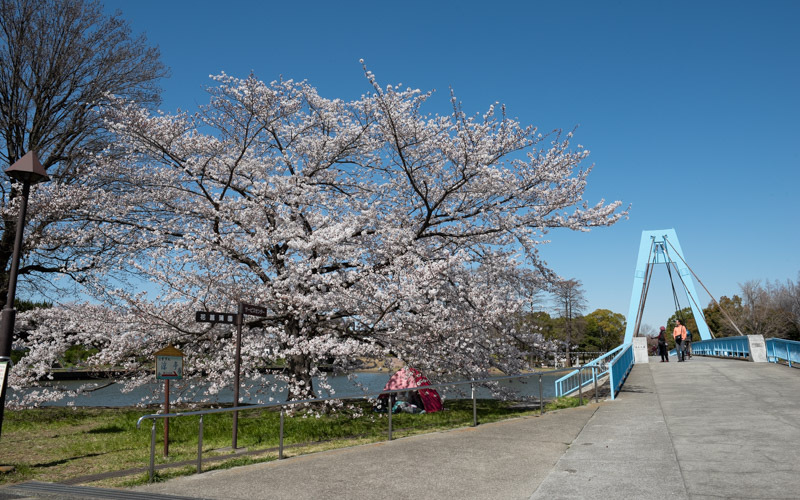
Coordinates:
(679, 333)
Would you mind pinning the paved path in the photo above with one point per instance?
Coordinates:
(706, 428)
(500, 460)
(703, 429)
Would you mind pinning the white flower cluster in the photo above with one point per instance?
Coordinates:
(365, 228)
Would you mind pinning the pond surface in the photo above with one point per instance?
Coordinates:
(108, 393)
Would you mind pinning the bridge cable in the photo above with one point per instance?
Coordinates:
(640, 314)
(685, 288)
(678, 311)
(648, 273)
(724, 312)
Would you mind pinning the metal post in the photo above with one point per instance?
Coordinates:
(9, 313)
(26, 170)
(788, 356)
(474, 407)
(541, 400)
(237, 372)
(391, 405)
(280, 439)
(166, 419)
(200, 447)
(152, 450)
(594, 375)
(580, 385)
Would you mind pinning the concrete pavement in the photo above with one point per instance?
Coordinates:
(704, 429)
(500, 460)
(707, 428)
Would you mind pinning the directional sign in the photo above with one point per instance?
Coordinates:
(253, 310)
(215, 317)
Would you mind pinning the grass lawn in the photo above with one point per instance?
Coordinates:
(65, 444)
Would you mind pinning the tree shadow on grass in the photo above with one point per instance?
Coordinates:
(106, 430)
(63, 461)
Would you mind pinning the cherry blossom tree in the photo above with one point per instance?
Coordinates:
(367, 228)
(59, 60)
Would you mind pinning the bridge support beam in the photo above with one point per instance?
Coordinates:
(661, 247)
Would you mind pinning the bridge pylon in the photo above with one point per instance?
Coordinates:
(661, 247)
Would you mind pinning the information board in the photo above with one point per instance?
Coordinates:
(169, 367)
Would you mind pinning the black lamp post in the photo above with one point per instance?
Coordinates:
(29, 171)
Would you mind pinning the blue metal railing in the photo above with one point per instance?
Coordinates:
(786, 350)
(778, 350)
(619, 368)
(723, 347)
(577, 379)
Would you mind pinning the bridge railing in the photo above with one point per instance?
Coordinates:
(579, 378)
(619, 368)
(778, 350)
(783, 350)
(723, 347)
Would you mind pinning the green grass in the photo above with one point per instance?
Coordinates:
(57, 444)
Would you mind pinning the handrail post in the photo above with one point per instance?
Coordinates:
(280, 439)
(474, 407)
(200, 447)
(390, 415)
(594, 375)
(541, 400)
(580, 385)
(237, 374)
(152, 450)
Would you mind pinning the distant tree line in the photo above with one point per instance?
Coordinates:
(771, 309)
(569, 331)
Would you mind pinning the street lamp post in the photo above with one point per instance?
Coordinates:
(29, 171)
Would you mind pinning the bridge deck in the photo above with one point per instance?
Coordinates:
(706, 428)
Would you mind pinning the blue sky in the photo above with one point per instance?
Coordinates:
(691, 109)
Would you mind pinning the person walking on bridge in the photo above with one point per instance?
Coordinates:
(687, 344)
(679, 333)
(662, 345)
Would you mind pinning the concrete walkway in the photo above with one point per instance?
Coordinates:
(500, 460)
(703, 429)
(706, 428)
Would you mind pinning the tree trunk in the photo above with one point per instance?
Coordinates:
(299, 370)
(299, 367)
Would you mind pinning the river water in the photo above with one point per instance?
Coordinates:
(108, 393)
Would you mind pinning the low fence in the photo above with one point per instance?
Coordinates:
(558, 359)
(781, 350)
(283, 407)
(619, 369)
(576, 379)
(778, 350)
(723, 347)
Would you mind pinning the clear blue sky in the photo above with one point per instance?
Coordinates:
(691, 109)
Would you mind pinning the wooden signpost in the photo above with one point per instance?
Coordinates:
(238, 320)
(169, 366)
